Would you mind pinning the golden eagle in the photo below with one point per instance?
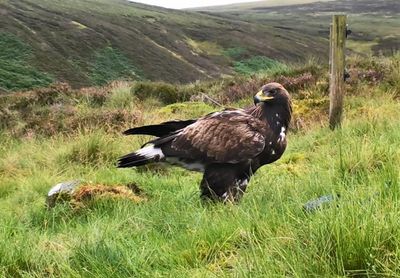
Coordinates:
(227, 146)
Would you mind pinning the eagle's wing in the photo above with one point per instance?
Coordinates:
(159, 130)
(224, 137)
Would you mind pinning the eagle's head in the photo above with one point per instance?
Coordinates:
(272, 93)
(276, 105)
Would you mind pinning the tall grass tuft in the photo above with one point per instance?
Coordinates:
(166, 93)
(92, 150)
(259, 64)
(121, 97)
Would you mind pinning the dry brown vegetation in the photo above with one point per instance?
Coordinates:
(61, 109)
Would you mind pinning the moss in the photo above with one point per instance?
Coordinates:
(306, 106)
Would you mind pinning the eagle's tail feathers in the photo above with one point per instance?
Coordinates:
(145, 130)
(132, 161)
(141, 157)
(160, 129)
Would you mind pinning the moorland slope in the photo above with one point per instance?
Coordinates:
(91, 42)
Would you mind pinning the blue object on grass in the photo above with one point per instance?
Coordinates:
(313, 205)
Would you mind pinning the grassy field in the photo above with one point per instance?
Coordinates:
(171, 233)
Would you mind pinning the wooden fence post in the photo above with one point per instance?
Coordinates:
(337, 69)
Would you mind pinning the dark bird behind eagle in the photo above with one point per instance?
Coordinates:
(227, 146)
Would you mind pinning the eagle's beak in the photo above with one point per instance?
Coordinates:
(261, 97)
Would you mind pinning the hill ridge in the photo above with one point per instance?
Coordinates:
(77, 41)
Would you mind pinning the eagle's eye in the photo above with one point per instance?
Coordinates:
(273, 91)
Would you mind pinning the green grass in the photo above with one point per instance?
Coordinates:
(258, 64)
(109, 65)
(235, 52)
(361, 47)
(174, 234)
(120, 98)
(16, 73)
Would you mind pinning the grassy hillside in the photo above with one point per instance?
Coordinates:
(255, 4)
(58, 134)
(375, 24)
(91, 42)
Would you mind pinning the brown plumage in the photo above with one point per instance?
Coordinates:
(227, 146)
